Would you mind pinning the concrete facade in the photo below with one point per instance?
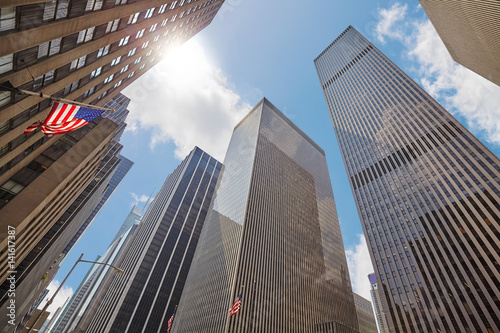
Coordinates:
(364, 312)
(469, 30)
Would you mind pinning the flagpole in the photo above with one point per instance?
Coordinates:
(172, 325)
(40, 94)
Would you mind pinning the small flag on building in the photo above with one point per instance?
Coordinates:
(64, 118)
(236, 307)
(171, 320)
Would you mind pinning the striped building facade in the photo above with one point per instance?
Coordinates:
(469, 30)
(273, 235)
(158, 260)
(427, 192)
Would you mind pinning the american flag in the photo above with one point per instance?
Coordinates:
(171, 320)
(236, 307)
(64, 118)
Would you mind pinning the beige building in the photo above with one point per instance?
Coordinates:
(470, 30)
(83, 50)
(364, 312)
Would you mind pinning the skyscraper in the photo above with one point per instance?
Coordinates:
(35, 204)
(112, 165)
(364, 312)
(380, 315)
(84, 299)
(273, 235)
(157, 262)
(427, 192)
(50, 250)
(468, 30)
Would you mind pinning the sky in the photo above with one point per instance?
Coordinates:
(258, 48)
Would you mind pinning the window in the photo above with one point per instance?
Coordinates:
(172, 6)
(62, 9)
(103, 51)
(4, 100)
(6, 63)
(72, 87)
(156, 38)
(162, 9)
(145, 44)
(85, 35)
(138, 60)
(96, 72)
(153, 27)
(140, 33)
(149, 13)
(10, 189)
(5, 126)
(49, 48)
(78, 63)
(49, 10)
(149, 53)
(173, 17)
(117, 84)
(124, 69)
(133, 18)
(116, 61)
(93, 5)
(120, 2)
(112, 25)
(130, 75)
(142, 66)
(164, 22)
(124, 41)
(181, 3)
(108, 79)
(89, 92)
(103, 94)
(132, 52)
(43, 80)
(7, 18)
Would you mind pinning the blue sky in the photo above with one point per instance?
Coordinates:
(263, 48)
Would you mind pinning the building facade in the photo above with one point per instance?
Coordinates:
(81, 300)
(380, 315)
(112, 170)
(468, 30)
(156, 264)
(273, 236)
(364, 312)
(427, 192)
(82, 50)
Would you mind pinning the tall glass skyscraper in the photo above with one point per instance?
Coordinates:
(427, 192)
(158, 260)
(272, 235)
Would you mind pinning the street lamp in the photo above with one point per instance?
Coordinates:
(118, 270)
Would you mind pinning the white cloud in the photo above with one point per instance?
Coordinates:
(360, 265)
(459, 90)
(139, 198)
(389, 19)
(186, 99)
(61, 297)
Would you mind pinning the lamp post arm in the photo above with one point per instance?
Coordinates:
(101, 263)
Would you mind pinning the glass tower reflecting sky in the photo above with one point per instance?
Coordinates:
(272, 234)
(427, 192)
